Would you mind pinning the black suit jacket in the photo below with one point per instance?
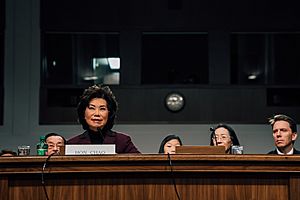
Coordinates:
(275, 152)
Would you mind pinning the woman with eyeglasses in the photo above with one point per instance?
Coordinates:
(223, 135)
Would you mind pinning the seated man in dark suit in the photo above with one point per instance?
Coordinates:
(284, 134)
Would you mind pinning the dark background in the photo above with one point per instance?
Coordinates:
(220, 93)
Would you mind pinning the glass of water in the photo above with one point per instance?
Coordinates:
(23, 150)
(236, 149)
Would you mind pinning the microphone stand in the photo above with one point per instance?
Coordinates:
(173, 179)
(101, 134)
(43, 171)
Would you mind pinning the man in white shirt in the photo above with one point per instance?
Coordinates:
(284, 134)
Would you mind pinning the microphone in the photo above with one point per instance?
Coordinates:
(101, 134)
(58, 152)
(214, 137)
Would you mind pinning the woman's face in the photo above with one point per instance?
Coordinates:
(169, 147)
(222, 138)
(96, 114)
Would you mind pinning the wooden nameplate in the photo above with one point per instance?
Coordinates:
(200, 149)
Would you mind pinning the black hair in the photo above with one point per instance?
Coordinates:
(8, 151)
(167, 139)
(55, 134)
(233, 137)
(97, 91)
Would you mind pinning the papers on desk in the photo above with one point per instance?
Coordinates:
(90, 149)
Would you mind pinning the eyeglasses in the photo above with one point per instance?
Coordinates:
(222, 138)
(55, 145)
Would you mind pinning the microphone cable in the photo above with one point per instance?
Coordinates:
(43, 171)
(173, 179)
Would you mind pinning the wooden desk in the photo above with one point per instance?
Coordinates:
(148, 177)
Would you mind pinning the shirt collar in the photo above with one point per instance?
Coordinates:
(291, 152)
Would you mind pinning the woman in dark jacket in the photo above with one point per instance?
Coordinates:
(96, 113)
